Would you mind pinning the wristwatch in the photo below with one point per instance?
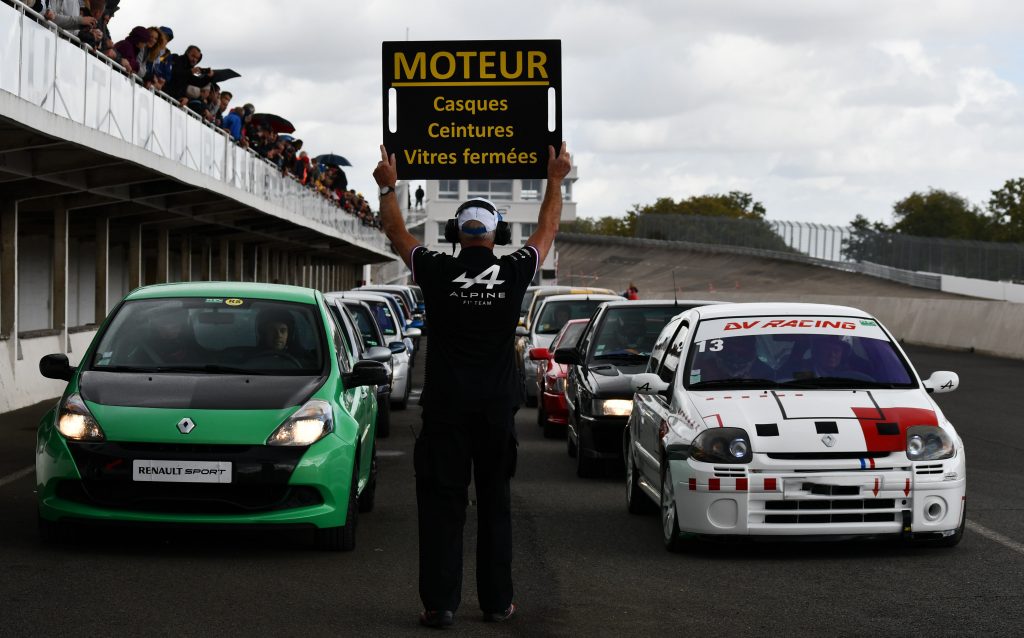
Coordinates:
(386, 190)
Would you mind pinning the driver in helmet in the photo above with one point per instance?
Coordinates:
(738, 360)
(631, 335)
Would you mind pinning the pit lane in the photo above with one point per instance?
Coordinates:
(583, 566)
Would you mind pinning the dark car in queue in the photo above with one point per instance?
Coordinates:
(215, 403)
(616, 345)
(548, 314)
(552, 411)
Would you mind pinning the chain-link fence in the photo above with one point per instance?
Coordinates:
(993, 261)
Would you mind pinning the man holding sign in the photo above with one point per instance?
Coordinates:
(470, 395)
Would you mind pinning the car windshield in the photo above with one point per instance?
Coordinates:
(795, 352)
(554, 314)
(525, 306)
(383, 316)
(231, 336)
(364, 322)
(570, 335)
(629, 333)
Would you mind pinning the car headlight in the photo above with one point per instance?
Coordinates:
(613, 407)
(75, 421)
(309, 424)
(722, 445)
(928, 443)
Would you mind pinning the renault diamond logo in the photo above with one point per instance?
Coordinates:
(828, 440)
(186, 425)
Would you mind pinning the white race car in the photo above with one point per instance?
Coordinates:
(797, 420)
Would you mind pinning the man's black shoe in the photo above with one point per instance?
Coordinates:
(501, 616)
(437, 619)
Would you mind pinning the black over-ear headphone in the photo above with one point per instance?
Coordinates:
(502, 234)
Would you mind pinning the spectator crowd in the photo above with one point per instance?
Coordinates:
(146, 53)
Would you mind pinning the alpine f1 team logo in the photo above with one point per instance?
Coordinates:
(488, 277)
(186, 425)
(828, 440)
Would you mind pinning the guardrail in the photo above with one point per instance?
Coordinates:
(993, 261)
(45, 65)
(925, 280)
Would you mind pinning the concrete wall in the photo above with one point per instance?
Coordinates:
(997, 290)
(989, 327)
(31, 387)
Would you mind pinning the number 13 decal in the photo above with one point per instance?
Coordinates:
(716, 345)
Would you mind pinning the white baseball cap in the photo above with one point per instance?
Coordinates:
(480, 210)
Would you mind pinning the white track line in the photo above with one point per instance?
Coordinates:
(10, 478)
(995, 536)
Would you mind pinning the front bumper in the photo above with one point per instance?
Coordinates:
(821, 499)
(270, 485)
(556, 410)
(600, 437)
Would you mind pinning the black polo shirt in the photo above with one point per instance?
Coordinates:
(472, 303)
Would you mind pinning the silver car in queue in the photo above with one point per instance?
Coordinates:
(394, 333)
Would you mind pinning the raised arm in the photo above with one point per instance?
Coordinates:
(386, 174)
(551, 208)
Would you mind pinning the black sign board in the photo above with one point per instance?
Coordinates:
(472, 109)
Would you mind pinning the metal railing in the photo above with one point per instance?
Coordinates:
(47, 66)
(878, 251)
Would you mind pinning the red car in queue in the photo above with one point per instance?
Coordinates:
(552, 410)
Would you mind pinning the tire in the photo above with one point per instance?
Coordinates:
(541, 417)
(369, 495)
(383, 419)
(51, 532)
(553, 430)
(585, 467)
(637, 501)
(570, 447)
(343, 538)
(670, 534)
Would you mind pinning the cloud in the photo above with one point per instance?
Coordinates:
(822, 110)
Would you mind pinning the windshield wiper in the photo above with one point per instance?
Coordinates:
(623, 355)
(138, 369)
(835, 382)
(215, 368)
(739, 383)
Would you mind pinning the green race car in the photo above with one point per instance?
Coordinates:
(213, 403)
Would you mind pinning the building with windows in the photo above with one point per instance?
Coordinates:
(517, 199)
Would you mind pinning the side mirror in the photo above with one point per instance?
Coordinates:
(940, 382)
(56, 366)
(568, 356)
(539, 354)
(397, 347)
(521, 331)
(413, 333)
(378, 353)
(365, 373)
(648, 383)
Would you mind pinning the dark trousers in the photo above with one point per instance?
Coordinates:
(448, 449)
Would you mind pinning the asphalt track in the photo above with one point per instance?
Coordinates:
(583, 567)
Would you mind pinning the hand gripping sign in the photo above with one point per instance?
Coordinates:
(472, 109)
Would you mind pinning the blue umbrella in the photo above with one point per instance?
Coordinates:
(330, 159)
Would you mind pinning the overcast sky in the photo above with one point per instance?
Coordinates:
(822, 109)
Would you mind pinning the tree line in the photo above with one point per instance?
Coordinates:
(933, 213)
